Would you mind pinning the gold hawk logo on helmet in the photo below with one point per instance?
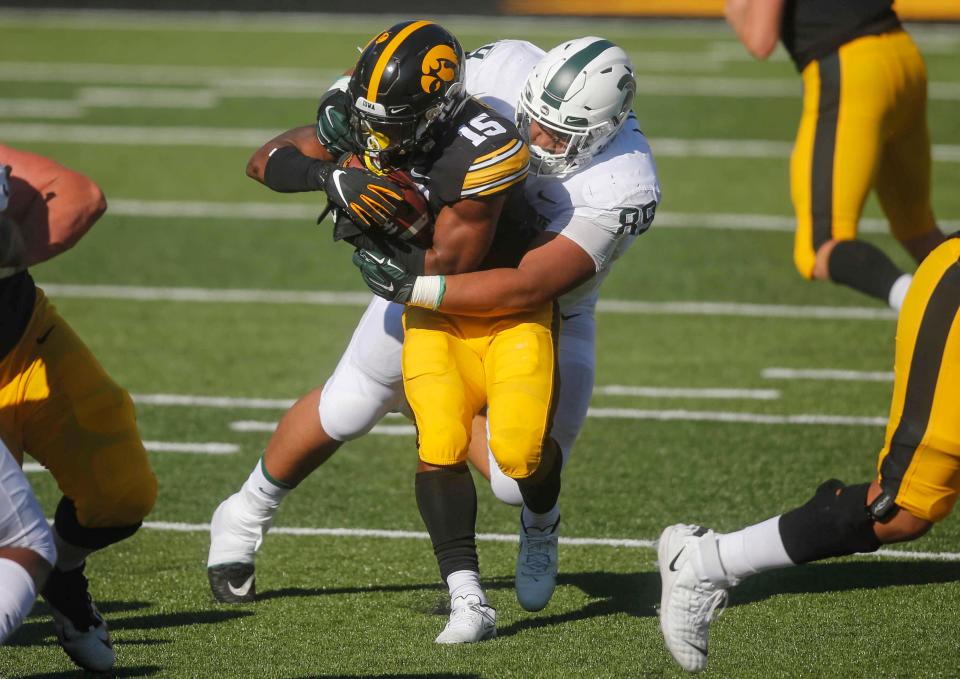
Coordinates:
(439, 66)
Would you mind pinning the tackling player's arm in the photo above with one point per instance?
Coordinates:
(51, 207)
(553, 265)
(756, 23)
(324, 141)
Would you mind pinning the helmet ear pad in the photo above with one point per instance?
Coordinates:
(408, 80)
(583, 88)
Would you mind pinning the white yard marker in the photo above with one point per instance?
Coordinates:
(629, 543)
(238, 295)
(380, 429)
(720, 416)
(32, 467)
(827, 374)
(687, 392)
(212, 401)
(195, 448)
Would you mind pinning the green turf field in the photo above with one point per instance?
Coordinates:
(164, 112)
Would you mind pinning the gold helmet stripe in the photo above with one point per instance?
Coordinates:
(385, 57)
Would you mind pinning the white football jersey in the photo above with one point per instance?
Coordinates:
(602, 206)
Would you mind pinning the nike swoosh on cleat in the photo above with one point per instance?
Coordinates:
(674, 562)
(695, 647)
(242, 590)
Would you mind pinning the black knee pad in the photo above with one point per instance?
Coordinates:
(447, 500)
(834, 522)
(70, 529)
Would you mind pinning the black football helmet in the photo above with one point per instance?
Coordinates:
(407, 83)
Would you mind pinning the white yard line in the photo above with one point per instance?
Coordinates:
(253, 138)
(687, 392)
(331, 298)
(630, 543)
(176, 209)
(380, 429)
(722, 416)
(195, 448)
(827, 374)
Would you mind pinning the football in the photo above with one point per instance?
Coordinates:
(414, 220)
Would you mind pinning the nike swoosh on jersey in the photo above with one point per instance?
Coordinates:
(242, 590)
(542, 197)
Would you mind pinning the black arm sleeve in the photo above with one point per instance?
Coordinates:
(289, 171)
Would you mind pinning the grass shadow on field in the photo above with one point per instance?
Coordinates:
(38, 630)
(332, 591)
(635, 594)
(844, 576)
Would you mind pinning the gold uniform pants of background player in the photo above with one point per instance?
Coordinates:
(920, 461)
(58, 404)
(453, 365)
(864, 125)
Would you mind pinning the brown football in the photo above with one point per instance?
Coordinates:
(414, 220)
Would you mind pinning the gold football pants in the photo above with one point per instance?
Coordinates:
(453, 365)
(864, 125)
(58, 404)
(920, 461)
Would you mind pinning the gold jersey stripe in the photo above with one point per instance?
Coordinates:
(385, 57)
(482, 178)
(503, 187)
(495, 157)
(495, 186)
(506, 147)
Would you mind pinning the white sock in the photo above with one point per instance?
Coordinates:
(69, 556)
(540, 521)
(898, 291)
(754, 549)
(16, 596)
(262, 490)
(463, 583)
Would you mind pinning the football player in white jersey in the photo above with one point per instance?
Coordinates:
(596, 191)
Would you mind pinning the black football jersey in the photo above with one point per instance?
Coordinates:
(812, 29)
(480, 153)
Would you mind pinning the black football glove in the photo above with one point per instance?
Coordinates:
(333, 126)
(384, 276)
(368, 200)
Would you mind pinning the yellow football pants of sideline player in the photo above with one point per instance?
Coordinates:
(864, 125)
(58, 404)
(453, 365)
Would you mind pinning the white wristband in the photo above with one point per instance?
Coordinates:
(428, 292)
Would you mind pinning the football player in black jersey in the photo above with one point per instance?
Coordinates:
(404, 107)
(864, 125)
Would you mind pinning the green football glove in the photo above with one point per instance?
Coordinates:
(385, 277)
(333, 126)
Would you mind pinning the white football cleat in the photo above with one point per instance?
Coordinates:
(470, 621)
(687, 604)
(235, 536)
(80, 628)
(536, 574)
